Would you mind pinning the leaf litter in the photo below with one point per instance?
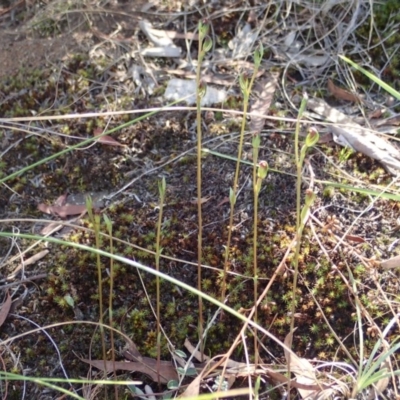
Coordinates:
(62, 209)
(346, 132)
(77, 206)
(163, 371)
(5, 309)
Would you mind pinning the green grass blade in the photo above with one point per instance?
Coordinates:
(374, 78)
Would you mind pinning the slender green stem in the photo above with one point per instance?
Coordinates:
(205, 44)
(199, 209)
(256, 146)
(162, 190)
(259, 175)
(110, 300)
(301, 213)
(245, 86)
(95, 219)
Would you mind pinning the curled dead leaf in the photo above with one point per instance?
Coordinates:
(305, 375)
(62, 211)
(202, 200)
(146, 365)
(342, 94)
(193, 389)
(106, 139)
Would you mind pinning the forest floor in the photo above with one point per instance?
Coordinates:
(72, 70)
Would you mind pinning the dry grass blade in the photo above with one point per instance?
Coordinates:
(31, 260)
(53, 227)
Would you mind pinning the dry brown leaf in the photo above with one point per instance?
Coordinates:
(342, 94)
(5, 309)
(146, 366)
(131, 352)
(353, 238)
(392, 263)
(349, 133)
(231, 380)
(238, 366)
(393, 120)
(238, 369)
(302, 369)
(106, 139)
(193, 389)
(195, 353)
(202, 200)
(62, 211)
(61, 200)
(377, 113)
(61, 208)
(266, 89)
(280, 378)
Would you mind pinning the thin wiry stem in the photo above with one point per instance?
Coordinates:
(95, 219)
(110, 301)
(246, 86)
(204, 46)
(162, 189)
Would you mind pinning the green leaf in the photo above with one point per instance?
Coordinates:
(135, 390)
(203, 29)
(180, 353)
(207, 45)
(173, 384)
(188, 372)
(257, 385)
(258, 55)
(162, 187)
(303, 105)
(232, 197)
(70, 301)
(108, 222)
(256, 141)
(244, 83)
